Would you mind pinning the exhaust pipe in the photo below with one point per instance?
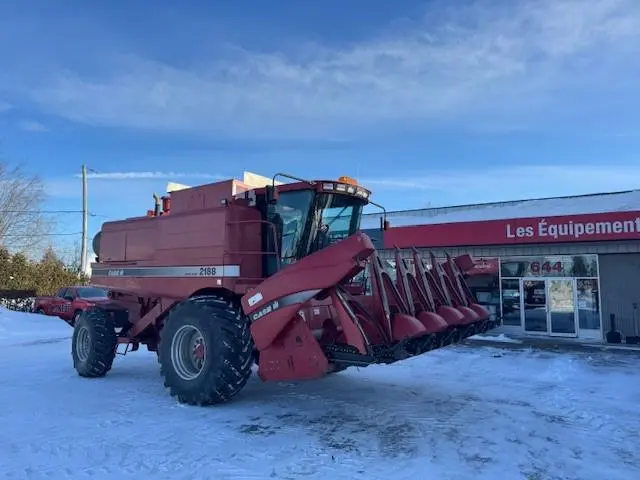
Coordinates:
(157, 204)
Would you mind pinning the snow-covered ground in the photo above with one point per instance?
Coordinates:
(457, 413)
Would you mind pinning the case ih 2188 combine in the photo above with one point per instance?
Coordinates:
(221, 276)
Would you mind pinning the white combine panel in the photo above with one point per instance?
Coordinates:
(250, 179)
(254, 180)
(174, 187)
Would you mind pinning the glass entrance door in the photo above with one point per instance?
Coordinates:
(562, 307)
(548, 306)
(534, 305)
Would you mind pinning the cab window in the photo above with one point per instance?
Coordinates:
(292, 212)
(336, 217)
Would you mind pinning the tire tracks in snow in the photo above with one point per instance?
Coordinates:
(453, 414)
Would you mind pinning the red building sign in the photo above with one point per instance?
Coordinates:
(555, 229)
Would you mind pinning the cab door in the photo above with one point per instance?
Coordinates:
(55, 305)
(66, 306)
(61, 304)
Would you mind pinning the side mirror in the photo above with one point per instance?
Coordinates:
(387, 225)
(384, 224)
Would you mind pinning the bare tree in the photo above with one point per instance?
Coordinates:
(70, 255)
(23, 226)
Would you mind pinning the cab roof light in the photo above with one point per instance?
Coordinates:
(348, 180)
(351, 189)
(361, 192)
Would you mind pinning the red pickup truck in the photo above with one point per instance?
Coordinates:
(69, 302)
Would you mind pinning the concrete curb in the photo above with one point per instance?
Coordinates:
(521, 343)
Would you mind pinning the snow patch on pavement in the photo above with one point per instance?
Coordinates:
(18, 328)
(501, 338)
(456, 413)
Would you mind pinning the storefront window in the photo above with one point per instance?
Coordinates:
(485, 286)
(585, 266)
(550, 266)
(588, 303)
(511, 301)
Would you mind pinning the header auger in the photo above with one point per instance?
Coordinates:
(223, 276)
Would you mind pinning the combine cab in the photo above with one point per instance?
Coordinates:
(221, 276)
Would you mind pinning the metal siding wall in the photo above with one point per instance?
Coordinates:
(619, 289)
(376, 237)
(536, 249)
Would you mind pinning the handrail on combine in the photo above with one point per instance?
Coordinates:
(273, 231)
(291, 177)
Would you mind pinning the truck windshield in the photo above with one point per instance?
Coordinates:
(92, 292)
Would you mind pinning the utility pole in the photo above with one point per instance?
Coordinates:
(85, 221)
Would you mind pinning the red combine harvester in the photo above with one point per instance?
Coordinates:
(221, 276)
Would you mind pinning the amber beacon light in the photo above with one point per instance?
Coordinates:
(347, 180)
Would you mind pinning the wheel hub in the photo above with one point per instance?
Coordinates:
(83, 344)
(198, 351)
(188, 352)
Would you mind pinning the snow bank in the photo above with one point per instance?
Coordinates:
(20, 328)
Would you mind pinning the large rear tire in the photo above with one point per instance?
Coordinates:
(94, 342)
(206, 350)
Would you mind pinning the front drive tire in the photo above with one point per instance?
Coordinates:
(205, 351)
(94, 342)
(76, 315)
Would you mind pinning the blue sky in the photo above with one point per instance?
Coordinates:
(427, 102)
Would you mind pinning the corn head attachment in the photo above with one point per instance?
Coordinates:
(313, 317)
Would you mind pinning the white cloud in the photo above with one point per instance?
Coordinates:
(32, 126)
(446, 187)
(495, 66)
(103, 186)
(150, 175)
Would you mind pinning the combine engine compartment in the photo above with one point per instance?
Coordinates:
(421, 310)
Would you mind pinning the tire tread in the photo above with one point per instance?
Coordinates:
(103, 343)
(223, 323)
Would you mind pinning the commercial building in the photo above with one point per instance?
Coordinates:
(553, 267)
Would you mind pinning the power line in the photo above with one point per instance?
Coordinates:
(40, 235)
(34, 212)
(41, 211)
